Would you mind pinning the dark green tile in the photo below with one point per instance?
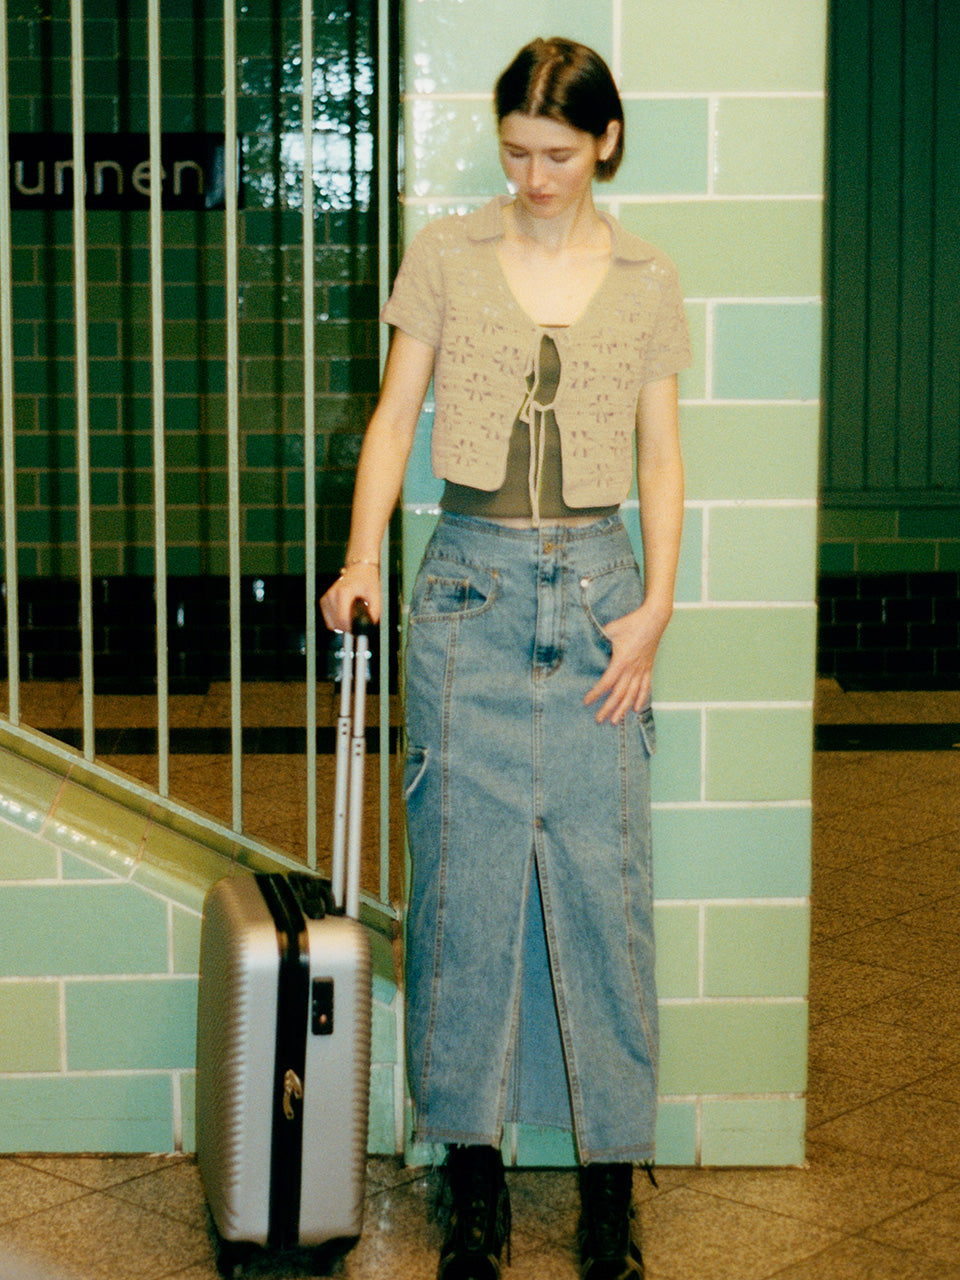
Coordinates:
(939, 522)
(896, 557)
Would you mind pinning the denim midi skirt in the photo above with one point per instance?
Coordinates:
(530, 953)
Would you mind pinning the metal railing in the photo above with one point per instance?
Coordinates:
(81, 322)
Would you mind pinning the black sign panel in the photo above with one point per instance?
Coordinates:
(118, 170)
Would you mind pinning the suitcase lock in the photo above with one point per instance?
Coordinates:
(292, 1089)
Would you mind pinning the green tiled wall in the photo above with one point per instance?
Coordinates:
(724, 108)
(270, 297)
(101, 903)
(889, 539)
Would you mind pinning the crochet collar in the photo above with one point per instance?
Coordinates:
(486, 223)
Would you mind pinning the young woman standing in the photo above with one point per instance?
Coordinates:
(553, 338)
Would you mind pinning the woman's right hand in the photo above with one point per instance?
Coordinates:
(357, 582)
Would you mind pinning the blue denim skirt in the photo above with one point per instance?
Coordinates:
(530, 954)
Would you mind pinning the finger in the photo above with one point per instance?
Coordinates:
(618, 703)
(605, 688)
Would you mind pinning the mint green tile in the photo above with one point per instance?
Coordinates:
(76, 929)
(690, 566)
(29, 1027)
(97, 827)
(677, 1134)
(181, 867)
(689, 584)
(730, 1047)
(92, 1114)
(756, 950)
(762, 754)
(185, 929)
(419, 1154)
(27, 789)
(769, 146)
(737, 248)
(706, 45)
(188, 1110)
(762, 553)
(24, 856)
(384, 1034)
(897, 557)
(417, 528)
(765, 451)
(948, 557)
(666, 148)
(545, 1148)
(676, 765)
(737, 654)
(146, 1025)
(767, 351)
(452, 148)
(753, 1131)
(381, 1127)
(749, 852)
(384, 968)
(420, 484)
(460, 46)
(693, 380)
(677, 930)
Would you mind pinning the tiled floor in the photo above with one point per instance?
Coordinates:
(881, 1195)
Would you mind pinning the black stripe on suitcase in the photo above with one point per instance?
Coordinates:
(293, 997)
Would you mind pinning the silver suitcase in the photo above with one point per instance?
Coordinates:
(283, 1034)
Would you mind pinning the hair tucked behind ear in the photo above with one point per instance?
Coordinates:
(564, 81)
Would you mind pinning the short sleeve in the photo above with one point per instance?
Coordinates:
(668, 350)
(416, 302)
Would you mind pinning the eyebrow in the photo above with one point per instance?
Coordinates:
(551, 151)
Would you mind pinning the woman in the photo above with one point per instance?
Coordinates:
(554, 339)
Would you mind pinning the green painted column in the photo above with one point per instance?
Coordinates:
(724, 114)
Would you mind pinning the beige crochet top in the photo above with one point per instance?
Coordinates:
(451, 292)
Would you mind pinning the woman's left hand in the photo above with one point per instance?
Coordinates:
(625, 685)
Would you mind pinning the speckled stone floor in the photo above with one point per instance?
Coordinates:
(880, 1197)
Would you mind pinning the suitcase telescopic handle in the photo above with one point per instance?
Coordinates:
(360, 617)
(351, 750)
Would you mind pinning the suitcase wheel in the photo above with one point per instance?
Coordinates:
(232, 1257)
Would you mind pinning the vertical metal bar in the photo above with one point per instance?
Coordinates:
(384, 196)
(309, 428)
(11, 568)
(159, 385)
(82, 372)
(233, 402)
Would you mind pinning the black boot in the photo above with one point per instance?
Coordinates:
(608, 1250)
(479, 1214)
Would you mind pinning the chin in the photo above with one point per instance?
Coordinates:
(541, 207)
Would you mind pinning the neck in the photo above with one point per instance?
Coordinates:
(577, 227)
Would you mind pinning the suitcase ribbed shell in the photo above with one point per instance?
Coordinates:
(236, 1033)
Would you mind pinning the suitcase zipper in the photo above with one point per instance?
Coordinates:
(292, 1089)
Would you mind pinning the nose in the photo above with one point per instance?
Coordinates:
(535, 173)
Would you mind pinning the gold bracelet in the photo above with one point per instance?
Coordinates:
(375, 564)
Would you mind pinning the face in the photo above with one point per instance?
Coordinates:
(550, 164)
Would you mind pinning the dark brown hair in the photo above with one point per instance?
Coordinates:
(564, 81)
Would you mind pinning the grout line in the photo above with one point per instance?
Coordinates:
(703, 755)
(758, 901)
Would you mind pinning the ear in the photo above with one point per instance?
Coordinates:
(608, 142)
